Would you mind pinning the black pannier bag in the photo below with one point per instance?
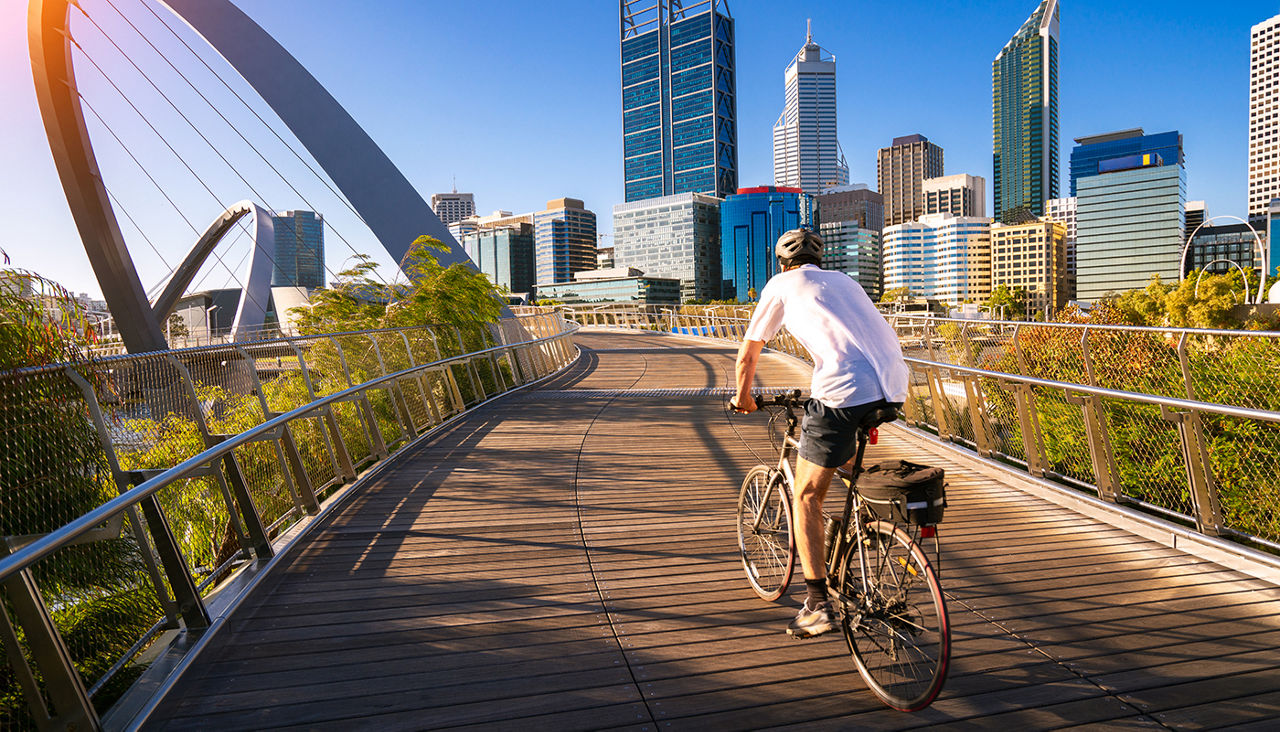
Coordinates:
(905, 492)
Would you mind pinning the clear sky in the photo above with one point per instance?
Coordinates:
(520, 101)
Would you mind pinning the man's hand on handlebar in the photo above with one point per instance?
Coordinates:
(747, 406)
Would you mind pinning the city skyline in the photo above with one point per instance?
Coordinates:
(1140, 76)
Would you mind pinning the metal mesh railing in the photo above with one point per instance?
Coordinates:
(1147, 416)
(134, 487)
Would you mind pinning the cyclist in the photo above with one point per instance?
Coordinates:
(857, 367)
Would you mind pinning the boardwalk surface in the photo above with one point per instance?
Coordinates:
(565, 559)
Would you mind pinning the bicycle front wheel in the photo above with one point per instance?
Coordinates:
(764, 532)
(895, 620)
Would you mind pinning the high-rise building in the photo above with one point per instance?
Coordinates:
(853, 203)
(958, 195)
(564, 237)
(604, 258)
(299, 255)
(1273, 237)
(1091, 151)
(1264, 117)
(504, 253)
(851, 249)
(751, 221)
(1129, 225)
(1063, 210)
(1024, 90)
(806, 153)
(1032, 257)
(673, 237)
(901, 170)
(454, 206)
(940, 256)
(679, 108)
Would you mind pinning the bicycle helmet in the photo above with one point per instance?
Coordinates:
(799, 246)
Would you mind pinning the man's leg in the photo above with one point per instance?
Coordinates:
(812, 482)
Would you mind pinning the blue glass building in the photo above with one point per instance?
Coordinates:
(1090, 152)
(299, 256)
(750, 223)
(679, 108)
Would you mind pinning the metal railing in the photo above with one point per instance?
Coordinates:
(140, 491)
(1184, 423)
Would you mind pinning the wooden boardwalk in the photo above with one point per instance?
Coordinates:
(566, 559)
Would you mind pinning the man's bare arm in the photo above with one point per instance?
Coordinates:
(745, 371)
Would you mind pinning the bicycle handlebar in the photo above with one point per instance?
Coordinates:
(789, 400)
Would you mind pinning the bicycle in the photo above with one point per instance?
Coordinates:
(885, 591)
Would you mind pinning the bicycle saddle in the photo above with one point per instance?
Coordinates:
(877, 417)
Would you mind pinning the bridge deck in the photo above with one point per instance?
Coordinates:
(566, 559)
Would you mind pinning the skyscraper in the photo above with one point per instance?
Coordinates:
(504, 253)
(806, 153)
(564, 237)
(679, 103)
(299, 256)
(940, 256)
(851, 219)
(1090, 151)
(1063, 210)
(1032, 257)
(900, 171)
(1024, 91)
(959, 195)
(1264, 117)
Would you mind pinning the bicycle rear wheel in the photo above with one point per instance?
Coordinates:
(767, 547)
(896, 621)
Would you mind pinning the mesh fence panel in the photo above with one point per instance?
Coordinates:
(1148, 451)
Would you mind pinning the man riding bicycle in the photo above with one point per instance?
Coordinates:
(857, 368)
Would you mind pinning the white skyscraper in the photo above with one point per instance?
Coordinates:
(1264, 116)
(806, 154)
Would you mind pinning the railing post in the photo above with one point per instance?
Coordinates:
(333, 436)
(1195, 425)
(1029, 424)
(369, 422)
(939, 405)
(1104, 476)
(300, 483)
(398, 406)
(977, 415)
(1204, 502)
(72, 709)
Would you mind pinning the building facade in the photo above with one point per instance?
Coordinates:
(679, 99)
(454, 206)
(299, 255)
(854, 203)
(901, 170)
(1032, 257)
(957, 195)
(1024, 91)
(751, 221)
(806, 153)
(1089, 154)
(1264, 117)
(564, 237)
(673, 237)
(505, 254)
(1218, 248)
(943, 257)
(1129, 226)
(854, 250)
(1063, 210)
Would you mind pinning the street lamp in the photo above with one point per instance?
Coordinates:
(1262, 253)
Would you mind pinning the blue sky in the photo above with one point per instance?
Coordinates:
(520, 101)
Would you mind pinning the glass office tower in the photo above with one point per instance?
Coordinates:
(672, 236)
(1024, 86)
(679, 108)
(750, 223)
(1090, 152)
(299, 257)
(564, 241)
(505, 254)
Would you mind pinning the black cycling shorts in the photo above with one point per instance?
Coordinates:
(828, 435)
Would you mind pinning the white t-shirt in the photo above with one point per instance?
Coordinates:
(856, 355)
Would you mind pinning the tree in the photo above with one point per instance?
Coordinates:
(751, 294)
(175, 328)
(895, 294)
(1007, 302)
(1141, 307)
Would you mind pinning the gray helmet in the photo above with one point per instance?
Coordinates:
(799, 243)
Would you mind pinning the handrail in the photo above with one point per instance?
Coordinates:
(53, 541)
(1092, 326)
(1134, 396)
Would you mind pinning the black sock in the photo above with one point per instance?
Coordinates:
(817, 591)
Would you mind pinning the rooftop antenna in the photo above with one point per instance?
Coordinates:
(455, 182)
(808, 31)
